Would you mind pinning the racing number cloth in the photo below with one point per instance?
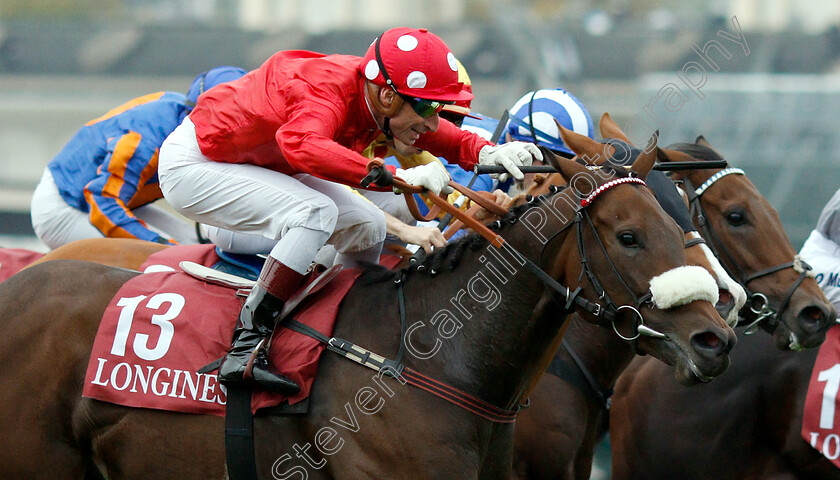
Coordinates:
(821, 418)
(12, 260)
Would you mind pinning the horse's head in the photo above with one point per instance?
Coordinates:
(746, 234)
(629, 256)
(731, 295)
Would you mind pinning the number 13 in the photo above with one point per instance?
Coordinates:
(162, 320)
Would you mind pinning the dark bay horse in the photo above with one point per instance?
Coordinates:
(745, 425)
(51, 312)
(748, 420)
(556, 435)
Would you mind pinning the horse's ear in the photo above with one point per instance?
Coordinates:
(667, 155)
(644, 163)
(550, 158)
(582, 145)
(567, 168)
(662, 155)
(610, 129)
(701, 140)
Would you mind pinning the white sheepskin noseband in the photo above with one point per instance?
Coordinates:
(683, 285)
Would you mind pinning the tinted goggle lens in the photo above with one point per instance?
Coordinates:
(425, 108)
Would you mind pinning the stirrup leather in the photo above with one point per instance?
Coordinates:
(248, 374)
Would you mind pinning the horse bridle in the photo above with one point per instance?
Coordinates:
(572, 298)
(609, 310)
(758, 308)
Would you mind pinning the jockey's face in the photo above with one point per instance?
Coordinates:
(407, 125)
(404, 149)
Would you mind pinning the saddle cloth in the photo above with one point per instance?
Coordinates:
(821, 418)
(12, 260)
(163, 326)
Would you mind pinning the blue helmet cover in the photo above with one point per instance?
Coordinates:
(209, 79)
(543, 107)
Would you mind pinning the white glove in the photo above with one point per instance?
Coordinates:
(433, 176)
(511, 156)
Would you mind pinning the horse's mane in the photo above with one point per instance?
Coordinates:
(700, 152)
(448, 257)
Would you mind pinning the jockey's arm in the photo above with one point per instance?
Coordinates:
(121, 184)
(426, 237)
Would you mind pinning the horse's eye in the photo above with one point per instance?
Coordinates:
(736, 218)
(628, 239)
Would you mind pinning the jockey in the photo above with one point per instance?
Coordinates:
(532, 119)
(400, 221)
(104, 180)
(822, 250)
(261, 156)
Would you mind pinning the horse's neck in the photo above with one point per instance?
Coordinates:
(601, 351)
(508, 323)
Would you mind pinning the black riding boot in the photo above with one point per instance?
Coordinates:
(256, 322)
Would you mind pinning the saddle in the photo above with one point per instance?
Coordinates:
(238, 264)
(317, 278)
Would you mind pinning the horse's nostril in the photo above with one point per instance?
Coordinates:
(813, 315)
(707, 341)
(725, 297)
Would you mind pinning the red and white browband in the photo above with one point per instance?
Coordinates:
(612, 183)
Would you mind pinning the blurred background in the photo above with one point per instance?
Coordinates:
(758, 78)
(762, 88)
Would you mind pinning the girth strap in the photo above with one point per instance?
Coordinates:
(239, 435)
(348, 350)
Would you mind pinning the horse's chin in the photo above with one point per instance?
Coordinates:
(686, 370)
(688, 374)
(785, 339)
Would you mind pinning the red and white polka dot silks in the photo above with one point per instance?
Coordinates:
(418, 64)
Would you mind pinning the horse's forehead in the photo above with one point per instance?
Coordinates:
(736, 189)
(633, 197)
(634, 202)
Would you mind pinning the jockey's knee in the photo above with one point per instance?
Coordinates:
(320, 215)
(362, 235)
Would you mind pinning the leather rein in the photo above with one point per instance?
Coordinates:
(572, 298)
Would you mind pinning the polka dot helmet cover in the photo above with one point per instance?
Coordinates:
(418, 63)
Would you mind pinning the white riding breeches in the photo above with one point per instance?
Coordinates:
(252, 200)
(390, 203)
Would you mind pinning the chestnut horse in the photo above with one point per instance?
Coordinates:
(114, 252)
(555, 437)
(749, 420)
(745, 233)
(52, 311)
